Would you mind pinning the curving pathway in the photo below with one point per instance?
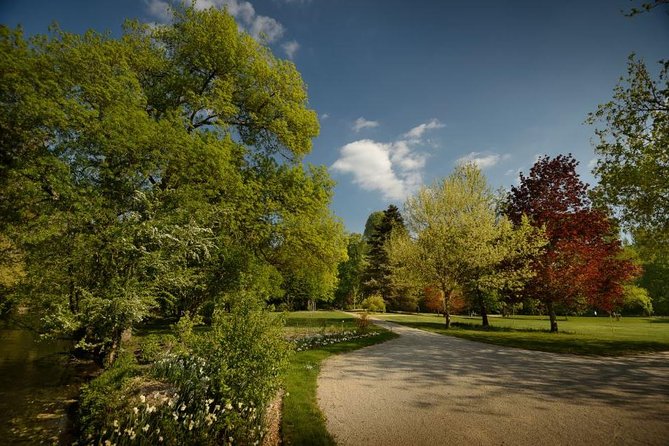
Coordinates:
(428, 389)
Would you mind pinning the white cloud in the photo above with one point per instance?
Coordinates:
(324, 116)
(393, 169)
(592, 163)
(417, 132)
(258, 26)
(483, 159)
(362, 123)
(291, 48)
(160, 9)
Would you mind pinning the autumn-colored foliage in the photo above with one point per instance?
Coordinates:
(433, 301)
(581, 265)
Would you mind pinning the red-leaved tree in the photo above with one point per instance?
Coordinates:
(581, 264)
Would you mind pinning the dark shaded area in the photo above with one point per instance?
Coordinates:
(39, 384)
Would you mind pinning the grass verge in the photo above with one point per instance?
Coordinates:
(579, 335)
(302, 421)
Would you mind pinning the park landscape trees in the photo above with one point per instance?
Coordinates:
(456, 240)
(582, 265)
(160, 175)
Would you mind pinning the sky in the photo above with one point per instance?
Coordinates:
(405, 90)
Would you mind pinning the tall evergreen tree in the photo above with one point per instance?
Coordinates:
(377, 277)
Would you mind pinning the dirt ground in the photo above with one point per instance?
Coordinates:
(428, 389)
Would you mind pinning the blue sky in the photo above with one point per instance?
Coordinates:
(406, 89)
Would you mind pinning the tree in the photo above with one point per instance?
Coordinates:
(582, 264)
(350, 273)
(456, 240)
(377, 275)
(633, 146)
(157, 170)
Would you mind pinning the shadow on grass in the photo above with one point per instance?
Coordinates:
(543, 340)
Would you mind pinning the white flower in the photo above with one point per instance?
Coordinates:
(142, 398)
(136, 410)
(145, 428)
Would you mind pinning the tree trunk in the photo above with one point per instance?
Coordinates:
(447, 307)
(447, 314)
(484, 312)
(554, 324)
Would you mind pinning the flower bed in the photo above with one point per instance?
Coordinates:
(321, 340)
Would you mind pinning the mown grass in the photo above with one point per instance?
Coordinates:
(302, 323)
(600, 336)
(302, 421)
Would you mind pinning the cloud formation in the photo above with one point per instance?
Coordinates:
(418, 131)
(483, 159)
(395, 169)
(290, 48)
(258, 26)
(362, 123)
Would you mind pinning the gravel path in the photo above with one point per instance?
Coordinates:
(428, 389)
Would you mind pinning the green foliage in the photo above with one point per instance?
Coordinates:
(637, 301)
(633, 145)
(377, 275)
(350, 273)
(456, 239)
(374, 303)
(106, 395)
(214, 388)
(147, 175)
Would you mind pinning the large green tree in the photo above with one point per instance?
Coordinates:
(456, 239)
(156, 171)
(351, 272)
(633, 150)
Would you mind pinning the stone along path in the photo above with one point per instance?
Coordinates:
(428, 389)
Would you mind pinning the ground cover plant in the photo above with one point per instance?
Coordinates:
(303, 422)
(581, 335)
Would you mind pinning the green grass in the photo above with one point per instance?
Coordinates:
(301, 323)
(578, 335)
(302, 421)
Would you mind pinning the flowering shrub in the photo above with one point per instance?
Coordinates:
(213, 391)
(321, 340)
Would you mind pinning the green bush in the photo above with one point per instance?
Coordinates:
(213, 391)
(374, 303)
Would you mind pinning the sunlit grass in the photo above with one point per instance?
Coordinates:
(578, 335)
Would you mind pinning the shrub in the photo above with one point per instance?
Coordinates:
(363, 322)
(214, 390)
(374, 303)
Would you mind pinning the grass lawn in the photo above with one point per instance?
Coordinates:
(578, 335)
(303, 422)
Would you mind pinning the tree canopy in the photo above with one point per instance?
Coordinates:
(633, 146)
(582, 264)
(456, 240)
(154, 173)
